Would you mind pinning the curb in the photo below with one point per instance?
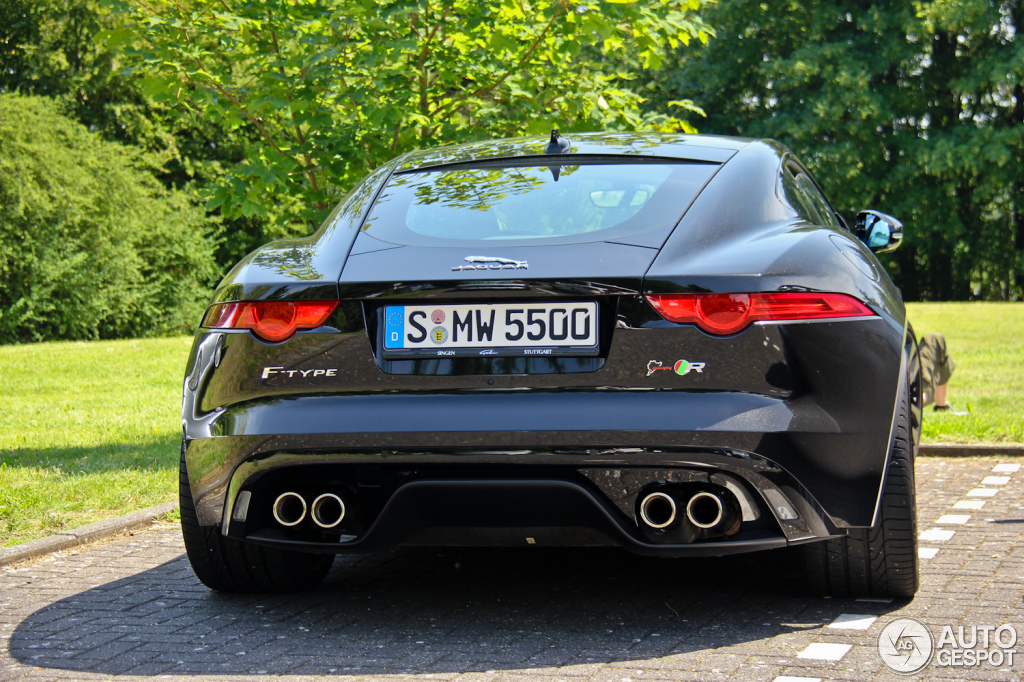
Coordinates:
(101, 530)
(966, 450)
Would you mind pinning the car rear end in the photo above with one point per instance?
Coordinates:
(507, 361)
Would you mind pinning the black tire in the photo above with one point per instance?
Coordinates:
(880, 561)
(227, 565)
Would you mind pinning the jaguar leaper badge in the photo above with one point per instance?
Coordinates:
(680, 367)
(491, 263)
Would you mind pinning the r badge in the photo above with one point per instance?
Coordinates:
(680, 367)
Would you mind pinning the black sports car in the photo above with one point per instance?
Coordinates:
(667, 343)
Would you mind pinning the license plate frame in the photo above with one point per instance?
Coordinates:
(577, 320)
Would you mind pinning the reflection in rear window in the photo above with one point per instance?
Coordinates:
(565, 204)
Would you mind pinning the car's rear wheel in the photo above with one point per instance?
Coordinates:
(880, 561)
(228, 565)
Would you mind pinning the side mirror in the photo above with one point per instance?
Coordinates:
(880, 232)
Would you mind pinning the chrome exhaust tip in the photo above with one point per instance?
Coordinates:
(289, 509)
(327, 511)
(704, 510)
(658, 510)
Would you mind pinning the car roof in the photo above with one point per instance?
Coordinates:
(706, 148)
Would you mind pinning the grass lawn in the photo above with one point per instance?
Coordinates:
(91, 430)
(986, 340)
(88, 431)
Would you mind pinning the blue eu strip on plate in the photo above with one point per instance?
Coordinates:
(394, 327)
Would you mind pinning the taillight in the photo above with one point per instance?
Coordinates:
(269, 320)
(729, 313)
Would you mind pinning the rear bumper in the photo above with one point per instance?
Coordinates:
(835, 461)
(517, 487)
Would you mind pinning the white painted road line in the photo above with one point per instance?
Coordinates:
(936, 535)
(958, 519)
(1006, 468)
(852, 621)
(969, 504)
(982, 492)
(927, 552)
(821, 651)
(995, 480)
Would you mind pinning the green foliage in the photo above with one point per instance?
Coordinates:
(332, 88)
(916, 109)
(63, 49)
(54, 48)
(91, 246)
(88, 431)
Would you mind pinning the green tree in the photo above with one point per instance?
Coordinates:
(970, 157)
(62, 49)
(91, 245)
(55, 48)
(332, 88)
(915, 109)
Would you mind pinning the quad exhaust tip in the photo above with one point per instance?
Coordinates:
(290, 509)
(658, 510)
(328, 510)
(704, 510)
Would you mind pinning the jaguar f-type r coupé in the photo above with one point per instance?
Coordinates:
(667, 343)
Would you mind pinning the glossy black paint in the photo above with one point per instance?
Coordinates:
(798, 410)
(761, 243)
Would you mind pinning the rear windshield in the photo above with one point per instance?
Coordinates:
(552, 204)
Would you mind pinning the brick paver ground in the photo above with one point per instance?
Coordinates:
(131, 607)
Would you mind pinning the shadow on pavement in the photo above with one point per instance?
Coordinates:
(428, 611)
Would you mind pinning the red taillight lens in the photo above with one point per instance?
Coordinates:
(270, 320)
(729, 313)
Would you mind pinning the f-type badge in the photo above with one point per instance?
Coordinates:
(680, 367)
(489, 263)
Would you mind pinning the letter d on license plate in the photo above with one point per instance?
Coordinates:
(507, 329)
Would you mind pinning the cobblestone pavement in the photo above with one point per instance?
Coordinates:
(131, 607)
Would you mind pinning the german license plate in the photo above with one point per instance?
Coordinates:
(506, 329)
